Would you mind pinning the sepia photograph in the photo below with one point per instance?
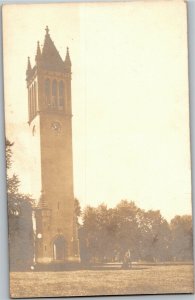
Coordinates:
(96, 99)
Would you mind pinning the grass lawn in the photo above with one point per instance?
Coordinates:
(143, 280)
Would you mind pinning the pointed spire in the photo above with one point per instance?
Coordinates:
(29, 68)
(47, 30)
(38, 55)
(29, 64)
(50, 57)
(67, 59)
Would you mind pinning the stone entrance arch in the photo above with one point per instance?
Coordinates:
(59, 248)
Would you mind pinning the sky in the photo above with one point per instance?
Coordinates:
(129, 97)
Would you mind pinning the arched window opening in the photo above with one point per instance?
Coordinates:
(59, 248)
(29, 103)
(32, 102)
(47, 91)
(61, 95)
(35, 98)
(54, 93)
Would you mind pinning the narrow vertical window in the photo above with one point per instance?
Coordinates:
(31, 102)
(54, 93)
(35, 98)
(47, 92)
(61, 95)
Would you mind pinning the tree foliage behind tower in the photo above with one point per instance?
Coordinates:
(21, 244)
(107, 233)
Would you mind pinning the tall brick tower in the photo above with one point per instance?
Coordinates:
(50, 123)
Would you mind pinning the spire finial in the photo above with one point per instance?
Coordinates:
(38, 55)
(67, 59)
(29, 68)
(47, 30)
(29, 64)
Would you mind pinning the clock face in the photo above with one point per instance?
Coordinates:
(56, 127)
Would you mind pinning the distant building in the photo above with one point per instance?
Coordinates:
(50, 124)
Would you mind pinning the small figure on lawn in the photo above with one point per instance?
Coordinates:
(127, 260)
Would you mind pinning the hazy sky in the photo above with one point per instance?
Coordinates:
(129, 97)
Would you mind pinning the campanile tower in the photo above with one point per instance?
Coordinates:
(50, 123)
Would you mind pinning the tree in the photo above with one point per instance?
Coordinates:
(88, 234)
(77, 209)
(182, 238)
(97, 239)
(14, 197)
(21, 240)
(108, 233)
(128, 232)
(155, 236)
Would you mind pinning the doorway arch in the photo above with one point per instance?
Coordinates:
(59, 248)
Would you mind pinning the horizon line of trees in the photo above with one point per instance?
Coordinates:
(105, 234)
